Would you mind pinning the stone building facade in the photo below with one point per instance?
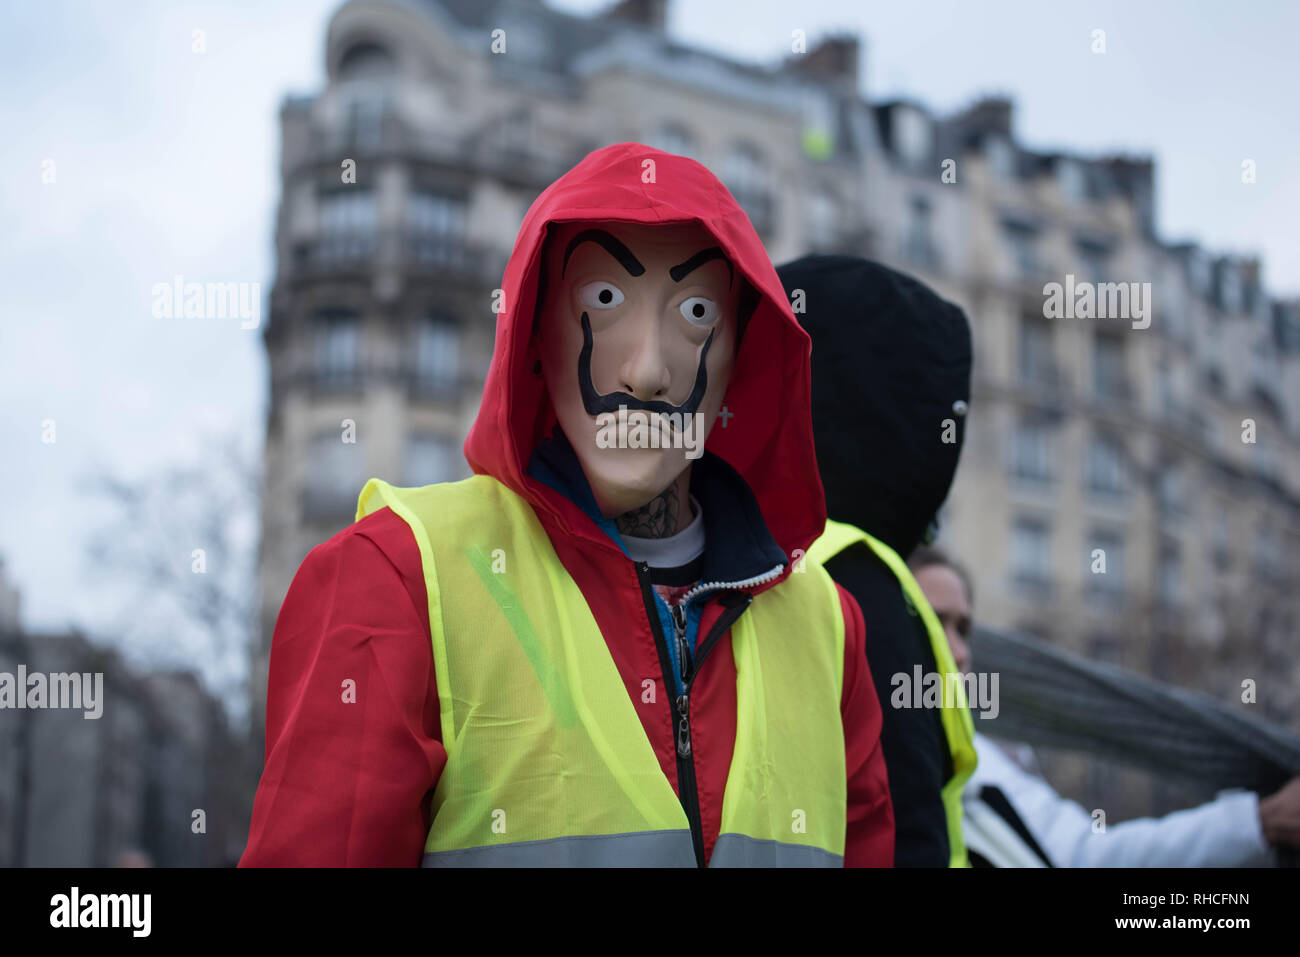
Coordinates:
(1087, 437)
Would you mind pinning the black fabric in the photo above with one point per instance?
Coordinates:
(889, 360)
(912, 739)
(678, 575)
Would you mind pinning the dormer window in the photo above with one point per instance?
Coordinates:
(745, 174)
(914, 136)
(365, 61)
(1001, 156)
(1230, 289)
(1072, 180)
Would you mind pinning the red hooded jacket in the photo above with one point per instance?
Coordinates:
(350, 784)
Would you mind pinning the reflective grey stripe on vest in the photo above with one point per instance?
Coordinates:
(640, 849)
(737, 850)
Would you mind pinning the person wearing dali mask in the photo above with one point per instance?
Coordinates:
(608, 646)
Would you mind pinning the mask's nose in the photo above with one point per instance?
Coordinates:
(644, 370)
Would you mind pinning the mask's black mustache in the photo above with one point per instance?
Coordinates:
(595, 403)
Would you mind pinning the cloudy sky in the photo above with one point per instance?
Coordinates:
(164, 163)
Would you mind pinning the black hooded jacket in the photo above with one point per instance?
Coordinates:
(890, 360)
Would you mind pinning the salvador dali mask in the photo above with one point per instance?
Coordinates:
(636, 336)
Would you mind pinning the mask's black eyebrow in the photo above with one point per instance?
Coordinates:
(611, 245)
(678, 273)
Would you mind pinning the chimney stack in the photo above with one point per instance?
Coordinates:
(834, 59)
(646, 13)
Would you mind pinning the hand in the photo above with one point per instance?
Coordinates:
(1279, 815)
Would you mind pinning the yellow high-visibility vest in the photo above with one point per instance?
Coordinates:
(548, 762)
(958, 727)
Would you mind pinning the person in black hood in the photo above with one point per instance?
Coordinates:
(891, 364)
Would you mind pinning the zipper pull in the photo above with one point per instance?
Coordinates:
(679, 629)
(684, 725)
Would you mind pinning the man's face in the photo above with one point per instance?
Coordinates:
(642, 317)
(947, 595)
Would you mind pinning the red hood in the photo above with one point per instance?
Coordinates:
(769, 439)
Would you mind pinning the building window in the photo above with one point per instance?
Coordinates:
(675, 138)
(1031, 554)
(1171, 488)
(366, 60)
(1166, 394)
(1269, 561)
(348, 225)
(364, 107)
(336, 348)
(514, 136)
(335, 473)
(437, 356)
(1267, 464)
(914, 136)
(1198, 269)
(1093, 261)
(918, 247)
(1107, 467)
(1169, 576)
(1001, 156)
(430, 459)
(1037, 353)
(823, 219)
(1072, 180)
(1107, 545)
(1215, 381)
(1109, 377)
(1022, 243)
(436, 227)
(745, 174)
(1229, 288)
(1220, 538)
(1033, 452)
(1173, 300)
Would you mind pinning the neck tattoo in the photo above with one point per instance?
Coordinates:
(657, 518)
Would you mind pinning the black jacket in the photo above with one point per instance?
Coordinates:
(889, 360)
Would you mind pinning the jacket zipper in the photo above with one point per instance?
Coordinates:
(680, 703)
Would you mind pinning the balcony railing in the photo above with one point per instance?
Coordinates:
(418, 384)
(520, 163)
(334, 381)
(435, 387)
(1043, 373)
(1113, 389)
(440, 250)
(446, 255)
(342, 251)
(1107, 590)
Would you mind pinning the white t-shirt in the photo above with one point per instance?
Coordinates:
(673, 551)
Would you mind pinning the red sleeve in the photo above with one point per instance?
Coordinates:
(348, 775)
(869, 840)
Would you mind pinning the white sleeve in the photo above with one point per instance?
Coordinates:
(1222, 833)
(1057, 824)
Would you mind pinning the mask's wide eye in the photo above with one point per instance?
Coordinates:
(600, 295)
(700, 311)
